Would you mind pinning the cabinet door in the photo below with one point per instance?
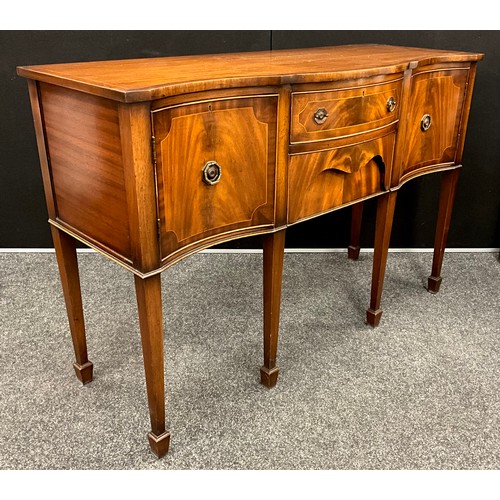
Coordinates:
(215, 169)
(433, 119)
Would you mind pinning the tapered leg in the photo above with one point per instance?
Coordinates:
(65, 246)
(148, 292)
(356, 218)
(446, 199)
(385, 215)
(274, 247)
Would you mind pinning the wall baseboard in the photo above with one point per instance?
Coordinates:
(287, 250)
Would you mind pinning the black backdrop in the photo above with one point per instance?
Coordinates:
(476, 220)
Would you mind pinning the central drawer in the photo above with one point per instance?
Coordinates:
(322, 181)
(330, 114)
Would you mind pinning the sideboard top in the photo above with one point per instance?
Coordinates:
(135, 80)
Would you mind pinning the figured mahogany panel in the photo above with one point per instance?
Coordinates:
(347, 112)
(84, 149)
(325, 180)
(239, 135)
(438, 94)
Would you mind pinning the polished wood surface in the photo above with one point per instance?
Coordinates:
(439, 94)
(70, 280)
(349, 111)
(132, 178)
(462, 133)
(36, 111)
(274, 246)
(189, 136)
(135, 130)
(82, 136)
(148, 292)
(140, 184)
(153, 78)
(385, 214)
(282, 158)
(446, 199)
(356, 220)
(322, 181)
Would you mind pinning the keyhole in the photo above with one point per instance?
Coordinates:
(212, 172)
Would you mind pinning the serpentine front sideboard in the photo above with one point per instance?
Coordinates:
(150, 160)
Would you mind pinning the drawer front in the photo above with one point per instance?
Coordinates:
(325, 180)
(433, 120)
(339, 113)
(215, 168)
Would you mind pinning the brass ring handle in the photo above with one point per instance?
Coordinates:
(391, 104)
(425, 122)
(211, 173)
(320, 116)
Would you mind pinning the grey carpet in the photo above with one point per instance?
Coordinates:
(421, 391)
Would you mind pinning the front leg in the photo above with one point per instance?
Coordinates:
(148, 292)
(274, 248)
(383, 227)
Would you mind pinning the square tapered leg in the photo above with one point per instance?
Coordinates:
(446, 200)
(148, 292)
(67, 261)
(274, 248)
(356, 218)
(385, 214)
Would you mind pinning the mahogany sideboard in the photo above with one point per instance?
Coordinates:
(150, 160)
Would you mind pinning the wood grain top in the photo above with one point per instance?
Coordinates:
(134, 80)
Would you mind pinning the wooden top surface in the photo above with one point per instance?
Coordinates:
(134, 80)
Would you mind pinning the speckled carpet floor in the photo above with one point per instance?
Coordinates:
(421, 391)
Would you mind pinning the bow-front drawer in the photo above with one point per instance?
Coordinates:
(322, 181)
(330, 114)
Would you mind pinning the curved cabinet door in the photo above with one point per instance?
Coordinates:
(215, 170)
(435, 109)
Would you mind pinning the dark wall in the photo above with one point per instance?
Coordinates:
(23, 219)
